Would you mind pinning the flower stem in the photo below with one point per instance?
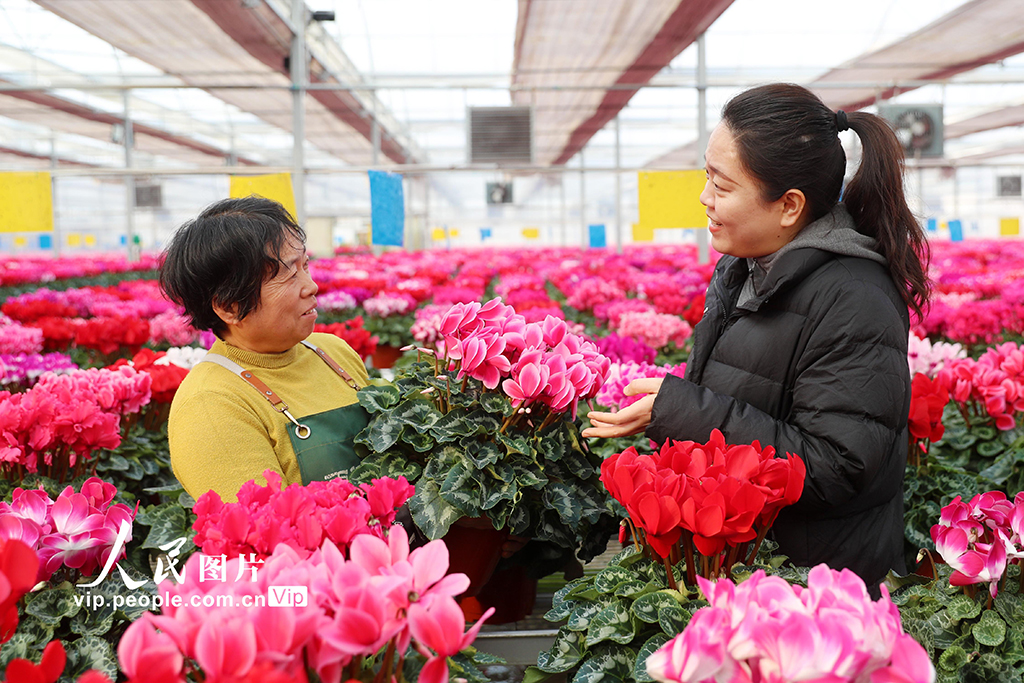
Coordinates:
(691, 568)
(757, 544)
(384, 675)
(668, 572)
(731, 560)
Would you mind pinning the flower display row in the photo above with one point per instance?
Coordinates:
(41, 269)
(55, 426)
(301, 517)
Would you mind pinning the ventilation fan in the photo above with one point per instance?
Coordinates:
(917, 127)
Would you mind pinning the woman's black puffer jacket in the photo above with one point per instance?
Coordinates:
(816, 365)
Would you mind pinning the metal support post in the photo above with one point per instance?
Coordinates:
(583, 205)
(134, 250)
(561, 192)
(375, 130)
(618, 189)
(703, 253)
(54, 162)
(299, 81)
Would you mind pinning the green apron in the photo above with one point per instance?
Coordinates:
(323, 442)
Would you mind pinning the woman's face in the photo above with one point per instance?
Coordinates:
(741, 223)
(287, 310)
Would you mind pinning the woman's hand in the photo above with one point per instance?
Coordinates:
(630, 420)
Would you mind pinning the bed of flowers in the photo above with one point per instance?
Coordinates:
(79, 339)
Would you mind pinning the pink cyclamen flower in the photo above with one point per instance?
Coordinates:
(144, 652)
(482, 357)
(698, 654)
(439, 627)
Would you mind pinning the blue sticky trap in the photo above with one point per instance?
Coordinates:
(598, 238)
(124, 240)
(932, 225)
(46, 241)
(387, 209)
(485, 234)
(956, 231)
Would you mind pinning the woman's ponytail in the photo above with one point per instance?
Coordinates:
(788, 139)
(875, 199)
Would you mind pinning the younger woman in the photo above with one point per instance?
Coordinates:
(803, 344)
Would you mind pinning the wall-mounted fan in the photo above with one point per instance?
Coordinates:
(918, 127)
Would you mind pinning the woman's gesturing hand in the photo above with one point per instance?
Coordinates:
(630, 420)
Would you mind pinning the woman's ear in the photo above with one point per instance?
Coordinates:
(793, 204)
(229, 314)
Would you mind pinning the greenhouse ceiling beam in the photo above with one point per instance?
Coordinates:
(935, 54)
(180, 38)
(22, 154)
(974, 34)
(619, 45)
(81, 111)
(265, 31)
(990, 120)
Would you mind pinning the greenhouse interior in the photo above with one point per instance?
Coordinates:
(511, 341)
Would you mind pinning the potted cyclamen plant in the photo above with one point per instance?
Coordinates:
(486, 428)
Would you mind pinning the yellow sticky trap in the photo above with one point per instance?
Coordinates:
(20, 241)
(26, 202)
(74, 239)
(453, 233)
(643, 233)
(1009, 227)
(671, 199)
(276, 186)
(531, 233)
(90, 240)
(437, 234)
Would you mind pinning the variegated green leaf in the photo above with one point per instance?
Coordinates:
(612, 623)
(648, 607)
(611, 577)
(90, 652)
(432, 513)
(653, 644)
(673, 619)
(51, 605)
(563, 500)
(421, 415)
(381, 434)
(375, 399)
(565, 652)
(580, 618)
(462, 490)
(481, 453)
(610, 664)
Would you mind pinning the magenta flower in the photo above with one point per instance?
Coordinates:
(144, 652)
(529, 378)
(767, 630)
(439, 627)
(226, 645)
(482, 357)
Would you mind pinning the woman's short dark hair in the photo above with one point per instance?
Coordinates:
(789, 140)
(224, 255)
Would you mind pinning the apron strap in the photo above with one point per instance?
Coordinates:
(256, 383)
(332, 363)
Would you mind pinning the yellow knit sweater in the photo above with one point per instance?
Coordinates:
(223, 433)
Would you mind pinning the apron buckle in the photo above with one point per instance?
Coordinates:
(302, 431)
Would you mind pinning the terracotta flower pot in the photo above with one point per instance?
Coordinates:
(385, 356)
(474, 549)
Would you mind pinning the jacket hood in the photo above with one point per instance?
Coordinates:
(834, 232)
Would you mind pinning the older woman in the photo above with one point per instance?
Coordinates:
(271, 394)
